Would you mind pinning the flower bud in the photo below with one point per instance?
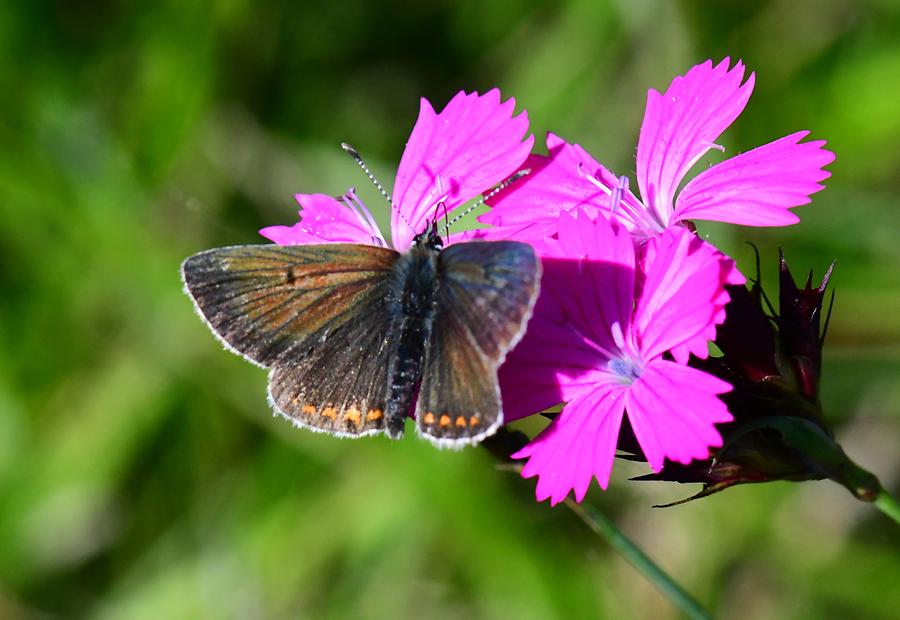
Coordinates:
(800, 334)
(773, 361)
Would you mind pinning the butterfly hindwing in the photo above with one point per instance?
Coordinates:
(316, 314)
(341, 386)
(486, 293)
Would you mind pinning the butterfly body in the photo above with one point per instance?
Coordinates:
(412, 297)
(359, 337)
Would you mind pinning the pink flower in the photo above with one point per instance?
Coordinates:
(756, 188)
(598, 345)
(451, 157)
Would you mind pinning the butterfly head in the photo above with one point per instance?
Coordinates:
(429, 238)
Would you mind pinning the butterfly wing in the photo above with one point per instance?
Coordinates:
(315, 314)
(486, 293)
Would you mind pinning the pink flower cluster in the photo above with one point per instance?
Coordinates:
(628, 291)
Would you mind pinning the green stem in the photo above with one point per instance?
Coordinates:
(601, 524)
(888, 504)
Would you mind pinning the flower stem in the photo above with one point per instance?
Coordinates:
(888, 504)
(603, 526)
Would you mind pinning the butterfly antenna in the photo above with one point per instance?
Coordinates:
(359, 162)
(499, 188)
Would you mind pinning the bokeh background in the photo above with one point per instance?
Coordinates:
(141, 473)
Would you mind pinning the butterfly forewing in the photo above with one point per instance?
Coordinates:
(486, 292)
(315, 314)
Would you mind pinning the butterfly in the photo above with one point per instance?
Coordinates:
(358, 335)
(353, 334)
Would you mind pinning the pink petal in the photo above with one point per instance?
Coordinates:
(325, 220)
(537, 234)
(683, 296)
(553, 362)
(673, 410)
(472, 145)
(548, 366)
(578, 446)
(556, 182)
(758, 187)
(590, 272)
(528, 232)
(586, 287)
(682, 124)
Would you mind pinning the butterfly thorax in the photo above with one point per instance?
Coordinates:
(412, 306)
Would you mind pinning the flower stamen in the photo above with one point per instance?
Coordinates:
(365, 217)
(639, 218)
(590, 343)
(624, 370)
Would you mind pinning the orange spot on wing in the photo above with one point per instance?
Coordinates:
(309, 409)
(354, 416)
(445, 421)
(428, 419)
(474, 421)
(330, 412)
(461, 422)
(374, 415)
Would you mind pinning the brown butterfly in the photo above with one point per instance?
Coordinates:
(353, 335)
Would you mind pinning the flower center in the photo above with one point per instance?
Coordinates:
(622, 361)
(625, 366)
(627, 370)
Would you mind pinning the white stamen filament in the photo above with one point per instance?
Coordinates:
(592, 344)
(617, 194)
(618, 336)
(641, 219)
(627, 365)
(708, 145)
(365, 217)
(634, 216)
(670, 208)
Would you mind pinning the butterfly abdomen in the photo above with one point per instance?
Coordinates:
(411, 309)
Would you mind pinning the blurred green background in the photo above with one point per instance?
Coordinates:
(141, 473)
